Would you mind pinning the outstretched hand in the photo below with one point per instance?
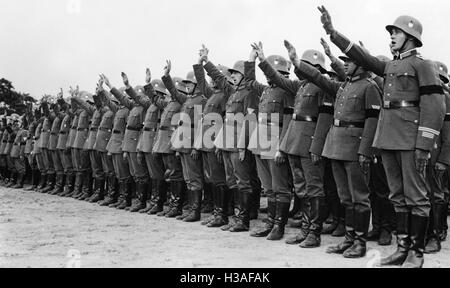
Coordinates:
(258, 47)
(126, 82)
(203, 53)
(148, 76)
(326, 20)
(167, 68)
(326, 47)
(292, 52)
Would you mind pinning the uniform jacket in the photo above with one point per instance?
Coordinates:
(73, 128)
(54, 132)
(37, 135)
(96, 114)
(162, 142)
(105, 127)
(240, 99)
(5, 137)
(407, 78)
(119, 124)
(358, 100)
(302, 137)
(188, 103)
(64, 131)
(45, 132)
(18, 148)
(442, 150)
(30, 137)
(11, 138)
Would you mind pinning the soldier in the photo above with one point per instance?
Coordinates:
(134, 126)
(18, 152)
(33, 117)
(53, 143)
(348, 145)
(407, 129)
(81, 155)
(104, 134)
(96, 112)
(162, 146)
(12, 132)
(241, 101)
(76, 111)
(49, 170)
(191, 159)
(311, 121)
(37, 151)
(3, 167)
(223, 184)
(157, 191)
(275, 105)
(114, 146)
(437, 176)
(63, 147)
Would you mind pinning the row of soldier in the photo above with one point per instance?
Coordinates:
(369, 139)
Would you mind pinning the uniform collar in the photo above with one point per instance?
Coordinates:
(401, 56)
(357, 77)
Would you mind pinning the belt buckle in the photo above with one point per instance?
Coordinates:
(387, 104)
(337, 122)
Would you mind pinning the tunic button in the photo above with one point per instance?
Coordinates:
(390, 84)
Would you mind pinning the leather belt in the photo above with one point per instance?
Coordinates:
(447, 118)
(400, 104)
(82, 129)
(296, 117)
(73, 127)
(133, 128)
(104, 129)
(117, 132)
(148, 129)
(349, 124)
(54, 133)
(94, 129)
(165, 128)
(288, 110)
(62, 132)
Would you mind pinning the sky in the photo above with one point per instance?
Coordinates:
(48, 44)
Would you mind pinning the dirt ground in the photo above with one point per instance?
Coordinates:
(39, 230)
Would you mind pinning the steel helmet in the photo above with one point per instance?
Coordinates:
(86, 96)
(279, 63)
(443, 71)
(14, 117)
(410, 26)
(314, 58)
(224, 70)
(179, 84)
(190, 78)
(159, 86)
(238, 67)
(384, 58)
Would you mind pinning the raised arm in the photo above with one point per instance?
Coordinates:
(199, 73)
(250, 78)
(312, 74)
(138, 98)
(168, 82)
(118, 95)
(90, 109)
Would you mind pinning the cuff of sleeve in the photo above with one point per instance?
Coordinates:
(317, 146)
(342, 42)
(365, 148)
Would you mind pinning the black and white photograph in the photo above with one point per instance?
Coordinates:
(228, 134)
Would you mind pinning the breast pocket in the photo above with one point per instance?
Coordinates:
(275, 106)
(406, 81)
(354, 103)
(307, 100)
(236, 105)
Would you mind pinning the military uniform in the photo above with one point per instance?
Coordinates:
(56, 156)
(18, 156)
(46, 154)
(37, 151)
(9, 160)
(276, 178)
(357, 105)
(65, 155)
(156, 194)
(192, 169)
(410, 122)
(31, 157)
(4, 163)
(114, 148)
(239, 101)
(214, 171)
(104, 134)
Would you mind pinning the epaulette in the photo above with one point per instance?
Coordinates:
(371, 81)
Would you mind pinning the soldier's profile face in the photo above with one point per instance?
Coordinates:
(398, 38)
(349, 67)
(236, 78)
(190, 87)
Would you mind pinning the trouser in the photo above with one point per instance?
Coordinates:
(245, 171)
(3, 162)
(96, 164)
(331, 194)
(281, 181)
(192, 172)
(263, 169)
(408, 188)
(41, 163)
(81, 159)
(48, 161)
(107, 164)
(31, 161)
(19, 165)
(138, 171)
(174, 172)
(353, 192)
(66, 160)
(214, 171)
(230, 176)
(10, 163)
(307, 177)
(155, 165)
(383, 214)
(121, 168)
(57, 161)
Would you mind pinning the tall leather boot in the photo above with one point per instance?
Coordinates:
(34, 180)
(443, 217)
(161, 195)
(12, 180)
(208, 198)
(42, 182)
(350, 234)
(235, 202)
(387, 213)
(334, 207)
(196, 207)
(280, 221)
(255, 203)
(151, 190)
(69, 185)
(433, 241)
(177, 189)
(340, 228)
(317, 205)
(187, 205)
(268, 226)
(295, 207)
(358, 249)
(403, 241)
(374, 234)
(304, 224)
(78, 186)
(87, 186)
(125, 194)
(111, 191)
(210, 218)
(19, 182)
(58, 185)
(51, 180)
(99, 190)
(417, 233)
(141, 193)
(220, 205)
(243, 218)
